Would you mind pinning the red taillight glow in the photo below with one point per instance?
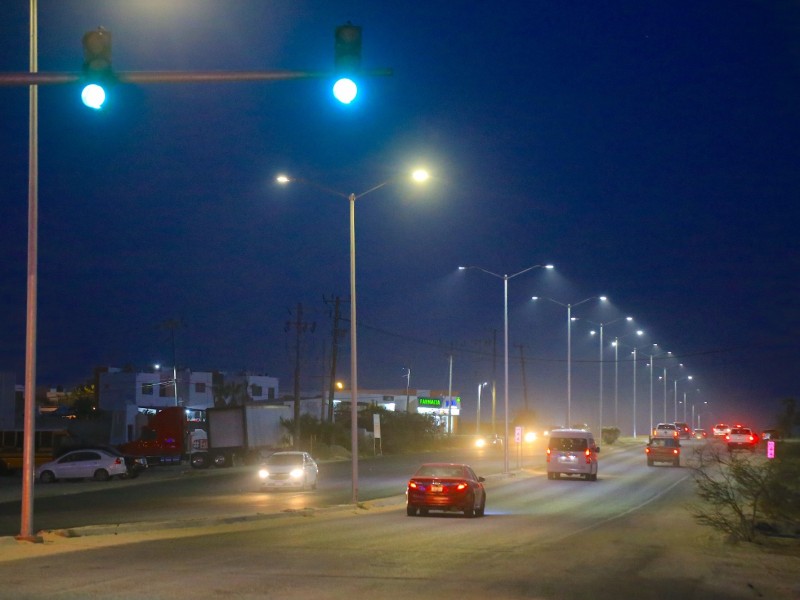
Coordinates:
(462, 486)
(752, 439)
(647, 450)
(676, 451)
(727, 436)
(412, 485)
(588, 454)
(118, 461)
(548, 455)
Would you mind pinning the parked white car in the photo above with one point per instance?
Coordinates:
(290, 469)
(83, 464)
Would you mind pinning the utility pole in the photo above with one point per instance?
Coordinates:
(335, 334)
(172, 325)
(300, 327)
(524, 380)
(450, 397)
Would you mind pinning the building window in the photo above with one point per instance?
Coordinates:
(200, 388)
(147, 389)
(271, 393)
(256, 391)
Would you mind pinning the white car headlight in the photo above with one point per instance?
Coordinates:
(296, 473)
(480, 443)
(263, 473)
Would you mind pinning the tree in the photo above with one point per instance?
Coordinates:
(83, 400)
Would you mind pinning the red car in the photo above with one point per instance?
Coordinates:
(447, 487)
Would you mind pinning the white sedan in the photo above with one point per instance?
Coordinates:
(82, 464)
(290, 469)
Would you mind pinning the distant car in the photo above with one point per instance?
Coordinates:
(700, 434)
(447, 487)
(83, 464)
(741, 438)
(720, 430)
(289, 469)
(684, 431)
(771, 435)
(663, 450)
(666, 430)
(489, 441)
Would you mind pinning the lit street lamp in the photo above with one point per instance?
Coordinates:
(569, 346)
(616, 344)
(600, 326)
(419, 175)
(650, 364)
(675, 395)
(478, 419)
(505, 279)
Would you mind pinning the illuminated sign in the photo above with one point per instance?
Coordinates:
(430, 402)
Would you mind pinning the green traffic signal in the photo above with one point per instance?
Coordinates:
(347, 52)
(97, 72)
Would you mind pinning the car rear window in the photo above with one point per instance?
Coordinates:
(663, 442)
(568, 444)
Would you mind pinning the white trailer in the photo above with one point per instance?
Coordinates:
(238, 433)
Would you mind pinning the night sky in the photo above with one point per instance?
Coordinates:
(648, 150)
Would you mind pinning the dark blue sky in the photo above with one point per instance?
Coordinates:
(649, 152)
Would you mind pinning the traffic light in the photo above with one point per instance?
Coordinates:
(97, 72)
(347, 52)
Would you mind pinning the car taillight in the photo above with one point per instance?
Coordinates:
(548, 455)
(676, 451)
(647, 450)
(752, 439)
(462, 486)
(412, 485)
(727, 437)
(588, 454)
(118, 461)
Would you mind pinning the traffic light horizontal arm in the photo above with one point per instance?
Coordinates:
(12, 79)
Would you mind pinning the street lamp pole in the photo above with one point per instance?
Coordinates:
(601, 326)
(569, 346)
(505, 279)
(419, 176)
(478, 418)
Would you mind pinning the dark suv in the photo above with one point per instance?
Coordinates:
(684, 431)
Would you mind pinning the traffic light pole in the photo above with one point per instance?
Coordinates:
(14, 79)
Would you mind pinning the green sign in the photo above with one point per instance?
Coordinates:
(430, 402)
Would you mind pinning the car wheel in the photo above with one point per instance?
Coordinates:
(556, 475)
(550, 476)
(649, 463)
(593, 477)
(482, 508)
(676, 463)
(411, 511)
(199, 460)
(423, 512)
(469, 508)
(47, 477)
(101, 475)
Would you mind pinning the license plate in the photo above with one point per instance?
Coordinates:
(436, 487)
(569, 458)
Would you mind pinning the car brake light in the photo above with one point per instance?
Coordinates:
(118, 461)
(588, 454)
(412, 484)
(752, 439)
(461, 486)
(676, 451)
(647, 450)
(548, 455)
(727, 436)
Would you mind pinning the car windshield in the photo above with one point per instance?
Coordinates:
(439, 471)
(568, 444)
(285, 459)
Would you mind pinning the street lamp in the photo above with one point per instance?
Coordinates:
(569, 345)
(665, 392)
(505, 279)
(478, 419)
(408, 386)
(616, 344)
(675, 396)
(650, 364)
(600, 326)
(419, 176)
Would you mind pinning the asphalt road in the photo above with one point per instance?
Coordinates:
(625, 536)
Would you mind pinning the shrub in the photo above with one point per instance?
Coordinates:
(609, 435)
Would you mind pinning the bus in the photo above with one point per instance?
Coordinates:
(45, 446)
